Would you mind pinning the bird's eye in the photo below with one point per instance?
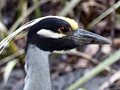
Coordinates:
(64, 29)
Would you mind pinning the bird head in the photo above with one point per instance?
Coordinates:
(61, 33)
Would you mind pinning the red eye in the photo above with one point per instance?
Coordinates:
(64, 29)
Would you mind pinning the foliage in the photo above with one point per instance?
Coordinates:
(80, 10)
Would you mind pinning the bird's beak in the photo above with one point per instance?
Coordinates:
(83, 37)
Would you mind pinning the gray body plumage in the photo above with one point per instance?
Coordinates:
(37, 69)
(55, 33)
(45, 35)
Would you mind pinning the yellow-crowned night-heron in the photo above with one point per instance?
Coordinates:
(44, 36)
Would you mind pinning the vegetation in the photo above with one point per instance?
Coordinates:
(98, 16)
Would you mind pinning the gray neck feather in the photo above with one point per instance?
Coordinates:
(37, 69)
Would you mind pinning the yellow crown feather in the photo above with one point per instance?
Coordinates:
(73, 23)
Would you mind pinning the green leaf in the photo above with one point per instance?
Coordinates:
(107, 12)
(108, 61)
(69, 7)
(117, 20)
(8, 69)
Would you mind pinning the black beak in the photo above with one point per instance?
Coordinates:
(83, 37)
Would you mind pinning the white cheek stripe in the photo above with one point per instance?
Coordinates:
(49, 33)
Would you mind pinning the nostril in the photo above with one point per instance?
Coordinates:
(92, 41)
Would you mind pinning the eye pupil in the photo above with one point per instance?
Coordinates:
(64, 29)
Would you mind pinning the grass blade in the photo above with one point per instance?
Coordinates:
(108, 11)
(68, 8)
(23, 16)
(37, 10)
(9, 67)
(110, 60)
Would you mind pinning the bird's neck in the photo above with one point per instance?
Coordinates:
(37, 69)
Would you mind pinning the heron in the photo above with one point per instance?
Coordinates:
(45, 35)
